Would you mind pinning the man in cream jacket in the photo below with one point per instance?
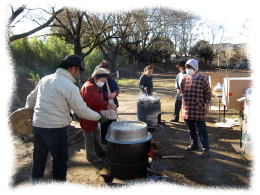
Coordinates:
(52, 100)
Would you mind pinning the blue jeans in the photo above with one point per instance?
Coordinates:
(200, 127)
(55, 141)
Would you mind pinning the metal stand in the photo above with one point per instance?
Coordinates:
(219, 96)
(224, 120)
(219, 109)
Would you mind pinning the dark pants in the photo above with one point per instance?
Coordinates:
(55, 141)
(104, 129)
(177, 108)
(200, 127)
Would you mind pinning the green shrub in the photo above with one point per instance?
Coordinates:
(38, 56)
(34, 76)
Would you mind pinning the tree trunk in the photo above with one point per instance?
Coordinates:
(135, 65)
(78, 51)
(77, 48)
(113, 63)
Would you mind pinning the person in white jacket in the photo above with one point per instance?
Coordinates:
(52, 100)
(178, 102)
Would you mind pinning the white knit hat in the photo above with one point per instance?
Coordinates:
(100, 71)
(193, 63)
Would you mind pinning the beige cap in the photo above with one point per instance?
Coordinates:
(100, 71)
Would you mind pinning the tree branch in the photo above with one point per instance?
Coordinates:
(16, 13)
(46, 24)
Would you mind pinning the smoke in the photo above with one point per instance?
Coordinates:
(148, 99)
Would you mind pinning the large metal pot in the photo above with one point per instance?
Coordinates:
(128, 146)
(149, 112)
(128, 132)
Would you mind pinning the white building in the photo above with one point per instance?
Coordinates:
(224, 51)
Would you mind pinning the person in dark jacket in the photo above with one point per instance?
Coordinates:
(114, 93)
(178, 101)
(146, 81)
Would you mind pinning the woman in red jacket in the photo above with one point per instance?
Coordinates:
(92, 95)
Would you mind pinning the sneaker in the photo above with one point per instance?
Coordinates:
(191, 148)
(204, 154)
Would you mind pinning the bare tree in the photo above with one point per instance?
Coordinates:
(23, 13)
(181, 28)
(215, 35)
(121, 30)
(136, 34)
(84, 30)
(145, 29)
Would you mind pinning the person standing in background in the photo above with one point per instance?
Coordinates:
(178, 101)
(146, 81)
(195, 106)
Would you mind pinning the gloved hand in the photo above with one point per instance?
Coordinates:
(102, 119)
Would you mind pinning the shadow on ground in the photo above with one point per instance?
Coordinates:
(223, 168)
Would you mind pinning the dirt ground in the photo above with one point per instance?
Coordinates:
(223, 168)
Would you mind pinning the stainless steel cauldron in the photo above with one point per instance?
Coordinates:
(128, 132)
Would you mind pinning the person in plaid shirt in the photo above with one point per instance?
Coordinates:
(195, 105)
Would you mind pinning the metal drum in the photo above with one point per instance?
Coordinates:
(149, 111)
(128, 146)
